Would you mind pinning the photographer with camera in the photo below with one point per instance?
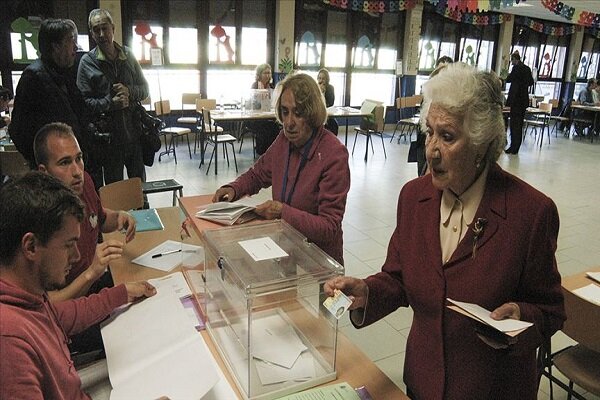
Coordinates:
(47, 91)
(112, 82)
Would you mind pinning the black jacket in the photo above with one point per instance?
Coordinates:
(520, 79)
(45, 93)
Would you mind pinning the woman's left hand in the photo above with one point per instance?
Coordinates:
(270, 209)
(507, 310)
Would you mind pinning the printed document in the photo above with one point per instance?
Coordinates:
(152, 350)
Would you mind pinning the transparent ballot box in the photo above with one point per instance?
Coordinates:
(263, 306)
(258, 100)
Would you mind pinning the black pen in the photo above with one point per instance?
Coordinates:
(166, 253)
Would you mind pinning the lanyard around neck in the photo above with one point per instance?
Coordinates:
(303, 159)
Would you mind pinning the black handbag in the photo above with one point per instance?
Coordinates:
(149, 126)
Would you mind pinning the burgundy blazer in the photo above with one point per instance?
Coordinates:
(514, 262)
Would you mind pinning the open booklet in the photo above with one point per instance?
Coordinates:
(229, 213)
(505, 331)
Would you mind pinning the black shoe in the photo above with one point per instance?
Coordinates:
(509, 151)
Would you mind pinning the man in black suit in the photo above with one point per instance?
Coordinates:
(518, 99)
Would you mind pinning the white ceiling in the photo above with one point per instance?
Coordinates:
(535, 9)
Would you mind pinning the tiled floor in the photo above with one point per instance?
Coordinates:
(567, 170)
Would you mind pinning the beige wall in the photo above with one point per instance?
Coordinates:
(114, 7)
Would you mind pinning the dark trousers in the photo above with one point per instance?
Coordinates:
(517, 117)
(332, 126)
(266, 133)
(124, 155)
(91, 339)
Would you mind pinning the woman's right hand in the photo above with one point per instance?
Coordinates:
(356, 290)
(225, 193)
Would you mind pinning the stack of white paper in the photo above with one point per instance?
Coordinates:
(279, 352)
(227, 213)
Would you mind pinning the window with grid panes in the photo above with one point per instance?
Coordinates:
(546, 56)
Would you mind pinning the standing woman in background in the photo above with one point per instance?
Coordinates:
(266, 131)
(329, 94)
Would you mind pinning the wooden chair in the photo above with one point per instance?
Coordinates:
(377, 129)
(580, 120)
(215, 136)
(12, 164)
(560, 118)
(170, 133)
(540, 121)
(199, 137)
(122, 195)
(189, 100)
(409, 124)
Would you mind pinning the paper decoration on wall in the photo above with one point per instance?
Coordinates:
(458, 10)
(365, 48)
(222, 41)
(593, 32)
(285, 63)
(580, 17)
(385, 6)
(373, 6)
(28, 32)
(148, 38)
(470, 11)
(549, 28)
(309, 40)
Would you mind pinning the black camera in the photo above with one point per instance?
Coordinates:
(97, 136)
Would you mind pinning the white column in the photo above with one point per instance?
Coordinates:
(412, 32)
(284, 36)
(504, 43)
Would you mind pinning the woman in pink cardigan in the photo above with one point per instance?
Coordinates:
(472, 232)
(306, 166)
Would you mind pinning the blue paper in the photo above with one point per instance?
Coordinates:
(147, 220)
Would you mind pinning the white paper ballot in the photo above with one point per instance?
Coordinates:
(480, 313)
(590, 293)
(262, 249)
(303, 369)
(276, 342)
(170, 256)
(174, 282)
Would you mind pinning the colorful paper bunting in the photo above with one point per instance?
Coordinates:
(580, 17)
(474, 11)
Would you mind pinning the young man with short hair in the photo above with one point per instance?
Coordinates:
(39, 230)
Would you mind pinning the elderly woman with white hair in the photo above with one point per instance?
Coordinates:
(472, 232)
